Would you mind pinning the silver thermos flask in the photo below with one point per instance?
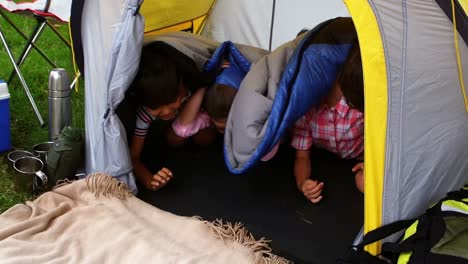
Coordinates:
(60, 112)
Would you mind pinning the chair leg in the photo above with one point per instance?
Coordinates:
(41, 23)
(65, 40)
(24, 54)
(2, 14)
(23, 82)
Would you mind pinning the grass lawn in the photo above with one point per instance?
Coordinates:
(25, 128)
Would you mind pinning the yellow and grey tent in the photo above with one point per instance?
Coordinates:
(414, 57)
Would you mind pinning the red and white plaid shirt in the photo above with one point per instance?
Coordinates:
(338, 129)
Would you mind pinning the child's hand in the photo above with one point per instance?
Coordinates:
(359, 177)
(159, 179)
(312, 190)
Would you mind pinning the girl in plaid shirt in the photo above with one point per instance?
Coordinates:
(336, 125)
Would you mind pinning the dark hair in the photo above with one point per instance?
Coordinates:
(161, 69)
(157, 79)
(218, 100)
(351, 79)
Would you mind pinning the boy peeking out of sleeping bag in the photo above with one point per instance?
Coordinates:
(313, 84)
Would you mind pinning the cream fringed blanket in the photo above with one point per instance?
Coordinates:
(97, 220)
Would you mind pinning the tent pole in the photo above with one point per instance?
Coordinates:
(272, 23)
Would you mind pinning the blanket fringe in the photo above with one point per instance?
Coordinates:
(102, 183)
(238, 233)
(61, 183)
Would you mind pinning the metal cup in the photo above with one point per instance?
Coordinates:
(16, 154)
(40, 150)
(26, 175)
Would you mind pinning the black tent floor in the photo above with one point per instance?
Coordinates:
(264, 199)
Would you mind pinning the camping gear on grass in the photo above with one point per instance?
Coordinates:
(60, 109)
(5, 133)
(65, 156)
(28, 175)
(46, 13)
(16, 154)
(40, 150)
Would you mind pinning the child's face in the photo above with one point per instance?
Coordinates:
(169, 111)
(220, 124)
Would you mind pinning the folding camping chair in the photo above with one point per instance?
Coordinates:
(46, 12)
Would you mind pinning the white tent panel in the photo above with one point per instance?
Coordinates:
(241, 21)
(292, 16)
(250, 22)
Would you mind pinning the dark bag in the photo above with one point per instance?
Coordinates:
(65, 157)
(440, 235)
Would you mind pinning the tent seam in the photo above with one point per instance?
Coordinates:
(389, 98)
(402, 84)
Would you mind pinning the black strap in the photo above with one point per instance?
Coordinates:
(457, 195)
(421, 242)
(384, 231)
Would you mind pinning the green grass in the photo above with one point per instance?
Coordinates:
(25, 128)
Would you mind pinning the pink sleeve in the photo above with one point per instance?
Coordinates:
(271, 154)
(201, 121)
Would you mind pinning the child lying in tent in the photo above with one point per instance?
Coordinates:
(336, 125)
(165, 80)
(210, 106)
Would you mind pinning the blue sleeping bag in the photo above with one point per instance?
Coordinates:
(238, 65)
(307, 77)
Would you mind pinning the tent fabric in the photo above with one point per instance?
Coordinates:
(75, 33)
(201, 49)
(273, 26)
(426, 120)
(172, 12)
(375, 113)
(111, 61)
(222, 25)
(264, 109)
(461, 15)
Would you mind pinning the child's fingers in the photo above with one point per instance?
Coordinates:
(314, 188)
(308, 185)
(155, 182)
(314, 192)
(158, 181)
(167, 171)
(313, 195)
(316, 200)
(359, 166)
(164, 175)
(359, 181)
